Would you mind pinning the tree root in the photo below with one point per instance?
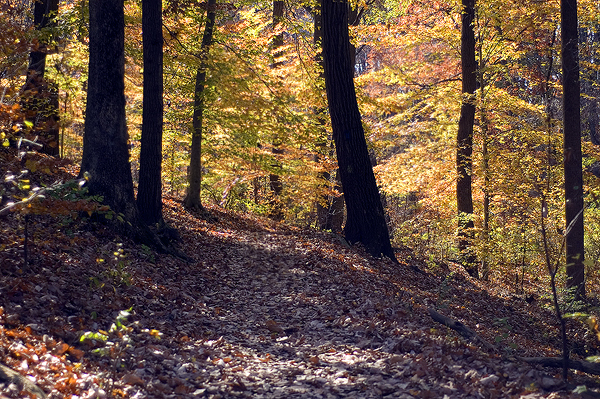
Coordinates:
(161, 239)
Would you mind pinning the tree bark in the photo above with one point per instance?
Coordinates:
(330, 208)
(41, 96)
(105, 151)
(192, 199)
(464, 140)
(149, 197)
(278, 10)
(365, 218)
(9, 376)
(572, 148)
(275, 183)
(586, 367)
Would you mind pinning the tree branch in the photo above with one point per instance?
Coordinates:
(459, 327)
(558, 362)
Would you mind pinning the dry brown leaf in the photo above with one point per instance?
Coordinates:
(182, 389)
(61, 349)
(273, 326)
(395, 359)
(76, 353)
(133, 379)
(238, 385)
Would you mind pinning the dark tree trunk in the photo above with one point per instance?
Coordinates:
(105, 151)
(278, 10)
(41, 97)
(330, 208)
(275, 183)
(365, 218)
(192, 199)
(464, 139)
(572, 148)
(44, 12)
(149, 198)
(593, 120)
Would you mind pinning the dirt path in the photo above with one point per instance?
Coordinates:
(264, 311)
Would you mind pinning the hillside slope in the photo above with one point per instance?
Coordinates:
(264, 310)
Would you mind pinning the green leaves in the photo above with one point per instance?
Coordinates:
(94, 336)
(121, 319)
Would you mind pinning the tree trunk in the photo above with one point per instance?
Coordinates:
(192, 199)
(330, 208)
(278, 9)
(105, 151)
(275, 183)
(365, 218)
(572, 148)
(149, 198)
(41, 97)
(464, 144)
(485, 271)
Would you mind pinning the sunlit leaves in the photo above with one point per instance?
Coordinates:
(249, 107)
(411, 97)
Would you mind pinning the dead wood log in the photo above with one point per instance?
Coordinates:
(586, 367)
(459, 327)
(10, 376)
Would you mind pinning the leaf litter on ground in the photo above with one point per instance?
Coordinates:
(264, 310)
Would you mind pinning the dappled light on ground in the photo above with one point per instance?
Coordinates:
(264, 310)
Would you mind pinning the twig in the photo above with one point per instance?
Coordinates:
(11, 205)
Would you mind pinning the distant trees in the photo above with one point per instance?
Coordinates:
(192, 199)
(149, 196)
(365, 218)
(260, 129)
(41, 95)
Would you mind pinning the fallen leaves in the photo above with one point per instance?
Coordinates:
(273, 326)
(132, 379)
(266, 311)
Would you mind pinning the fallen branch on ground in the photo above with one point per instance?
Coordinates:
(8, 375)
(459, 327)
(586, 367)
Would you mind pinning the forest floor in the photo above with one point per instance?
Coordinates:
(264, 310)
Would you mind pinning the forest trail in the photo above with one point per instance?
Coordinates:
(264, 311)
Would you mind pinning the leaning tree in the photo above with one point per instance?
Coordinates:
(365, 217)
